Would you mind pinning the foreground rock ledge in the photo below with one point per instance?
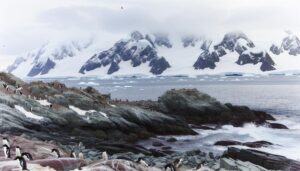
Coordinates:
(85, 115)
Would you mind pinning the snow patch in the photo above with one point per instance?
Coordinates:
(28, 114)
(44, 102)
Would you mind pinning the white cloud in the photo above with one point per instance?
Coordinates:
(28, 24)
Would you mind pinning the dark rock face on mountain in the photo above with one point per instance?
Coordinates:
(237, 43)
(290, 44)
(41, 68)
(255, 58)
(200, 108)
(45, 58)
(137, 50)
(266, 160)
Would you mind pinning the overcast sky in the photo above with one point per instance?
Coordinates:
(27, 24)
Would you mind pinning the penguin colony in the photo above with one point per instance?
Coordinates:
(23, 157)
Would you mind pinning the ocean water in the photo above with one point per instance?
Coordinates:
(278, 95)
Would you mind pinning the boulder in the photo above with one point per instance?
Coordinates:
(200, 108)
(266, 160)
(255, 144)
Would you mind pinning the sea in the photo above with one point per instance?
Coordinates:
(278, 95)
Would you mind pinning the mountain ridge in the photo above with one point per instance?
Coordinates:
(157, 54)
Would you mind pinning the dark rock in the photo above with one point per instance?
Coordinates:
(204, 127)
(158, 66)
(157, 144)
(172, 139)
(41, 68)
(200, 108)
(266, 160)
(277, 126)
(228, 143)
(166, 148)
(255, 144)
(267, 64)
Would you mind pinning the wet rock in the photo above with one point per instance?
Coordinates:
(266, 160)
(204, 127)
(230, 164)
(277, 126)
(172, 139)
(166, 148)
(157, 144)
(255, 144)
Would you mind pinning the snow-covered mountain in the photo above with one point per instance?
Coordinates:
(244, 51)
(47, 58)
(137, 50)
(290, 44)
(159, 54)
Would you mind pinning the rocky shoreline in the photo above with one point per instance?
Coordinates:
(66, 117)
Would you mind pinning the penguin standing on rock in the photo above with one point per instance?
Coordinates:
(6, 150)
(22, 163)
(142, 162)
(18, 151)
(56, 152)
(73, 154)
(27, 156)
(178, 162)
(170, 167)
(81, 156)
(5, 141)
(104, 155)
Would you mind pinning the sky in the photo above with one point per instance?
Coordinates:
(28, 24)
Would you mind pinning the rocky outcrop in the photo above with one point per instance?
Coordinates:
(80, 113)
(200, 108)
(230, 164)
(266, 160)
(137, 50)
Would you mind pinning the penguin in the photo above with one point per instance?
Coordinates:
(142, 162)
(73, 154)
(18, 151)
(56, 152)
(170, 167)
(104, 156)
(5, 141)
(22, 163)
(27, 156)
(178, 162)
(81, 156)
(6, 150)
(50, 106)
(5, 85)
(200, 165)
